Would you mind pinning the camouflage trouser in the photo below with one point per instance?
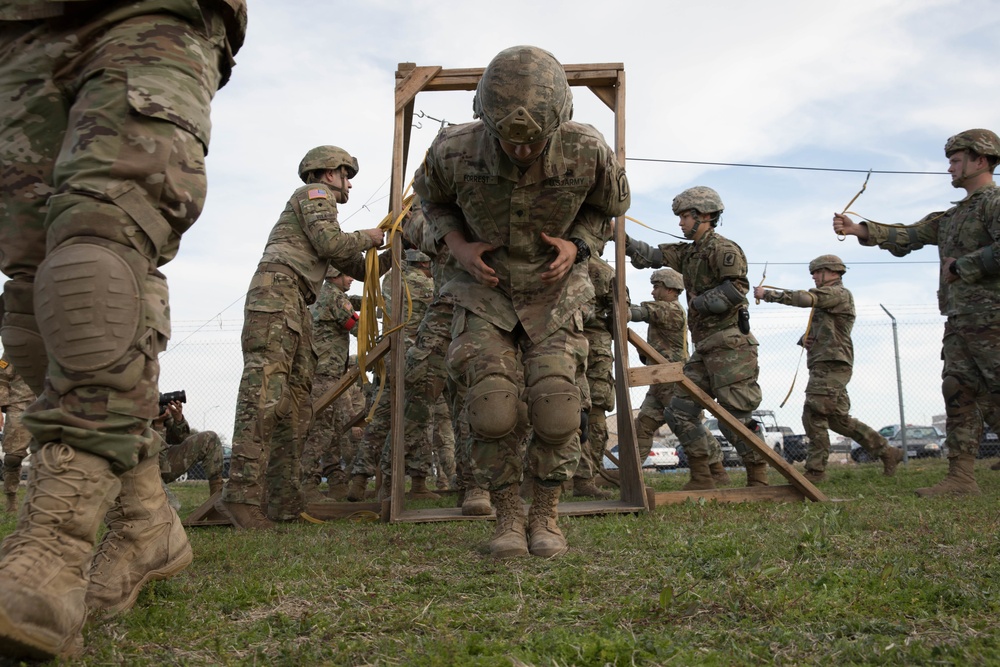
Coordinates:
(725, 367)
(102, 143)
(971, 371)
(425, 373)
(203, 447)
(481, 351)
(442, 436)
(651, 417)
(418, 455)
(326, 443)
(828, 406)
(273, 401)
(601, 383)
(15, 447)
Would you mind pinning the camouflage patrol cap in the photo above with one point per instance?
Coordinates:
(523, 95)
(699, 198)
(981, 142)
(828, 262)
(328, 157)
(668, 278)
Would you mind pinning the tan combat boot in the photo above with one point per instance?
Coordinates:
(215, 485)
(419, 490)
(756, 474)
(43, 571)
(545, 539)
(814, 476)
(244, 516)
(356, 489)
(719, 474)
(145, 541)
(509, 538)
(890, 459)
(476, 502)
(701, 475)
(311, 493)
(585, 488)
(960, 480)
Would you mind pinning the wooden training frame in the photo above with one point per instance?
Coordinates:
(607, 82)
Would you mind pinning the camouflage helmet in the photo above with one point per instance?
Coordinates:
(699, 198)
(332, 272)
(523, 95)
(981, 142)
(328, 157)
(668, 278)
(413, 255)
(828, 262)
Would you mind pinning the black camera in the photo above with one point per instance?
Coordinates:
(170, 397)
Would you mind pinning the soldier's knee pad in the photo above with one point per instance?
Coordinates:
(492, 407)
(22, 341)
(645, 426)
(91, 311)
(554, 409)
(958, 399)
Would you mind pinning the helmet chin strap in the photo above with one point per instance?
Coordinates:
(962, 178)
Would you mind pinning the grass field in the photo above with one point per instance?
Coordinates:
(878, 577)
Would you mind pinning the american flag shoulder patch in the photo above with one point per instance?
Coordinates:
(317, 193)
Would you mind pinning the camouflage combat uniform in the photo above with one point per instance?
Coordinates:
(667, 334)
(131, 83)
(724, 363)
(334, 317)
(186, 448)
(278, 357)
(600, 364)
(970, 232)
(103, 137)
(442, 437)
(830, 360)
(15, 397)
(467, 185)
(375, 445)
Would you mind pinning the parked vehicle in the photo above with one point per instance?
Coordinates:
(989, 446)
(921, 442)
(796, 445)
(773, 437)
(661, 457)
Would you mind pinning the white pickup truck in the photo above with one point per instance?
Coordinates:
(773, 436)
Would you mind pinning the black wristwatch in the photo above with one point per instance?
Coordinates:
(953, 268)
(582, 250)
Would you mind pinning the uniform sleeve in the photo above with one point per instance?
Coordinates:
(611, 194)
(6, 371)
(438, 198)
(176, 431)
(901, 240)
(320, 225)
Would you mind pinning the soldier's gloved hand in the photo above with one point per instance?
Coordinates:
(637, 313)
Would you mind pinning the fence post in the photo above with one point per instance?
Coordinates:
(899, 385)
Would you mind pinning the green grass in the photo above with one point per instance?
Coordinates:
(878, 577)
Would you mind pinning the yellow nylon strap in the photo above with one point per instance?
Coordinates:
(805, 339)
(372, 300)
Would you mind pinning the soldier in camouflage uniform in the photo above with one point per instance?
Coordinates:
(724, 363)
(830, 360)
(334, 319)
(278, 357)
(103, 136)
(185, 448)
(376, 443)
(504, 193)
(968, 240)
(15, 397)
(442, 437)
(600, 380)
(425, 371)
(667, 334)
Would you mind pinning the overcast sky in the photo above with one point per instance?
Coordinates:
(852, 85)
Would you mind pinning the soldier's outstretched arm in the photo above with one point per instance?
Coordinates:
(643, 255)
